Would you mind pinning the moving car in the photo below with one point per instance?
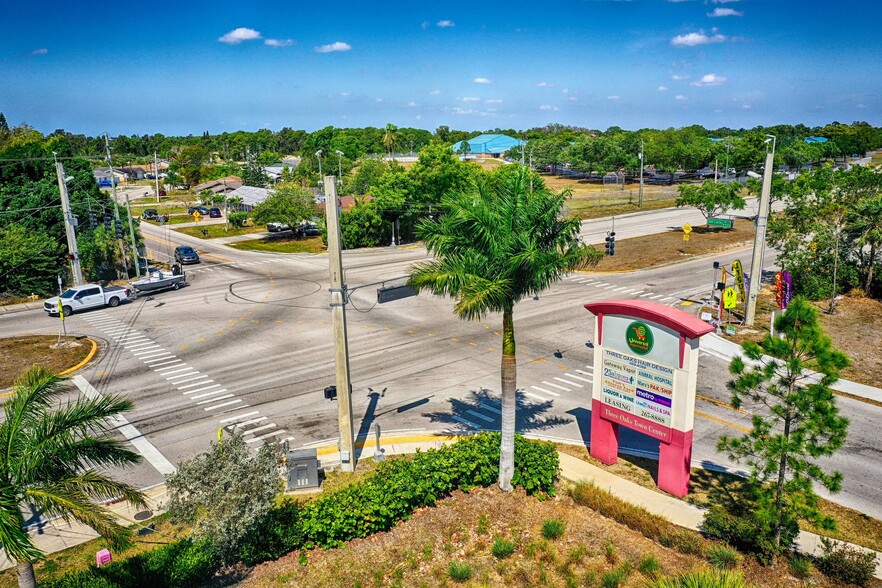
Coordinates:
(186, 254)
(309, 230)
(214, 213)
(84, 297)
(200, 209)
(150, 214)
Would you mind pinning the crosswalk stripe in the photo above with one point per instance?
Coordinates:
(465, 421)
(629, 290)
(184, 375)
(544, 390)
(240, 416)
(142, 350)
(575, 377)
(211, 400)
(156, 354)
(212, 393)
(261, 428)
(231, 402)
(262, 437)
(188, 378)
(586, 373)
(647, 294)
(656, 296)
(151, 361)
(163, 362)
(619, 288)
(601, 285)
(172, 369)
(666, 299)
(568, 382)
(196, 383)
(246, 423)
(637, 292)
(201, 389)
(547, 383)
(536, 396)
(483, 417)
(490, 408)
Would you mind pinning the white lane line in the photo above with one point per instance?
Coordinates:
(246, 423)
(193, 372)
(170, 363)
(586, 373)
(466, 422)
(187, 378)
(637, 292)
(207, 394)
(536, 396)
(219, 398)
(262, 437)
(240, 416)
(237, 401)
(575, 377)
(656, 296)
(196, 383)
(188, 392)
(547, 383)
(133, 435)
(483, 417)
(170, 369)
(544, 390)
(568, 382)
(490, 408)
(261, 428)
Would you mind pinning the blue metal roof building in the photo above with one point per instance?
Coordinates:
(815, 139)
(489, 144)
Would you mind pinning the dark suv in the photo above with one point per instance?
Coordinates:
(186, 254)
(200, 209)
(214, 213)
(150, 214)
(309, 230)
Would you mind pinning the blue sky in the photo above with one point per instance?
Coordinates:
(93, 66)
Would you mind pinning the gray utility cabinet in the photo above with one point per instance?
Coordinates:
(303, 469)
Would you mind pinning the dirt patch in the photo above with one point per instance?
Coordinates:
(21, 353)
(651, 250)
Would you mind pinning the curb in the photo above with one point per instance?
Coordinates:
(85, 361)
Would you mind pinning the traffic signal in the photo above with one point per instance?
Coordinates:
(119, 231)
(610, 244)
(93, 220)
(107, 225)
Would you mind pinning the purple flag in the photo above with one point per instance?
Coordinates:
(788, 288)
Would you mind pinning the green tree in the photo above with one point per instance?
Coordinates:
(28, 260)
(495, 244)
(51, 459)
(252, 174)
(288, 203)
(190, 164)
(711, 198)
(363, 226)
(798, 422)
(865, 223)
(226, 491)
(439, 172)
(389, 138)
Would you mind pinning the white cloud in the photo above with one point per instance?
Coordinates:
(445, 24)
(746, 106)
(39, 51)
(470, 99)
(544, 85)
(425, 24)
(572, 98)
(493, 101)
(679, 77)
(718, 12)
(709, 80)
(411, 104)
(679, 97)
(482, 81)
(663, 88)
(460, 111)
(345, 94)
(549, 107)
(860, 106)
(378, 100)
(331, 47)
(724, 1)
(236, 36)
(613, 98)
(435, 93)
(699, 38)
(279, 42)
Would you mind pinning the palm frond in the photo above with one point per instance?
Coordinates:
(14, 539)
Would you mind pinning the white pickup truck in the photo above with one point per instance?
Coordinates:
(86, 296)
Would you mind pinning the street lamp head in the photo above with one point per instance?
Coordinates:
(340, 153)
(318, 153)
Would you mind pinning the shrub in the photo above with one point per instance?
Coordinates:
(722, 557)
(277, 533)
(502, 548)
(616, 577)
(634, 517)
(459, 572)
(800, 567)
(846, 563)
(553, 529)
(649, 566)
(746, 534)
(701, 579)
(237, 219)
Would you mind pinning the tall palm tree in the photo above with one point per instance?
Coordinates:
(49, 455)
(389, 138)
(494, 245)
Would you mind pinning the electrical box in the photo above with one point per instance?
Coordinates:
(303, 467)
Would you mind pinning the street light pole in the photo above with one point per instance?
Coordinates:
(69, 226)
(759, 239)
(640, 194)
(339, 167)
(318, 154)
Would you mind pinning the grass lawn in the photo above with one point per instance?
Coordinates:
(20, 353)
(217, 230)
(282, 245)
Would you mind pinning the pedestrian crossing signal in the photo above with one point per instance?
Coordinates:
(610, 244)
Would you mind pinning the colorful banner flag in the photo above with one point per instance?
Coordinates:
(779, 290)
(739, 279)
(788, 288)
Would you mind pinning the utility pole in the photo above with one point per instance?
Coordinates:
(716, 168)
(640, 194)
(119, 241)
(156, 175)
(69, 226)
(759, 239)
(132, 235)
(338, 315)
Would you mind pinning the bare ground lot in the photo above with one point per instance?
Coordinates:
(21, 353)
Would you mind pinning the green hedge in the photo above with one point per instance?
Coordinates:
(388, 495)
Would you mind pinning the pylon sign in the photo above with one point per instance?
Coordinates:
(645, 369)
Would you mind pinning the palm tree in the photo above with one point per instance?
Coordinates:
(389, 138)
(49, 455)
(866, 224)
(494, 245)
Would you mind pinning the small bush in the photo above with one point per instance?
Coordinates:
(701, 579)
(276, 534)
(800, 567)
(722, 557)
(502, 548)
(459, 572)
(616, 577)
(483, 525)
(553, 529)
(609, 550)
(649, 566)
(635, 517)
(746, 534)
(238, 219)
(846, 563)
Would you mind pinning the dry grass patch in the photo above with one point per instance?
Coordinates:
(21, 353)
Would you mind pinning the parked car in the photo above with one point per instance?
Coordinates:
(84, 297)
(214, 213)
(276, 227)
(200, 209)
(309, 230)
(186, 254)
(150, 214)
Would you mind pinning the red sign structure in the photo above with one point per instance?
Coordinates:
(645, 368)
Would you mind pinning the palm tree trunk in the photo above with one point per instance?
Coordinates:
(509, 372)
(869, 282)
(26, 578)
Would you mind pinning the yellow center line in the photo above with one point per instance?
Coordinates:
(720, 403)
(722, 422)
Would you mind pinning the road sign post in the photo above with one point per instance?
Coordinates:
(723, 223)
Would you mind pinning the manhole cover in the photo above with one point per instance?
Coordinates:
(143, 515)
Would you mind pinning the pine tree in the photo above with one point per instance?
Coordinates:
(797, 420)
(4, 126)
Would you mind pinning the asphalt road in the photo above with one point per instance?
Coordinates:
(249, 341)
